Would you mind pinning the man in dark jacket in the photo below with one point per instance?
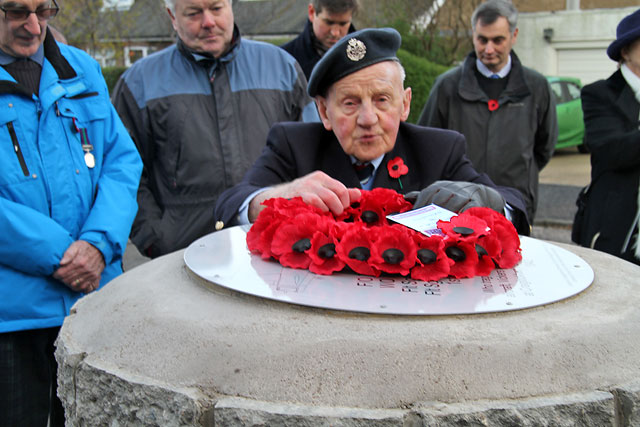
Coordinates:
(358, 87)
(199, 112)
(329, 21)
(505, 111)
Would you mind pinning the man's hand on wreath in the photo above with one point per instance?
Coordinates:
(317, 189)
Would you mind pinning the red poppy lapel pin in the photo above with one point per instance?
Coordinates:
(397, 168)
(493, 104)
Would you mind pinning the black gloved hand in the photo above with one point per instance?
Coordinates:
(457, 196)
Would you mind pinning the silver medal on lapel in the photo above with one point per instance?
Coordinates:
(89, 159)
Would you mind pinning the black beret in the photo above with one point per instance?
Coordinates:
(351, 53)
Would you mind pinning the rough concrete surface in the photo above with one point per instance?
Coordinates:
(159, 346)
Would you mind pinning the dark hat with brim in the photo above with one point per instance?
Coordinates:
(351, 53)
(628, 31)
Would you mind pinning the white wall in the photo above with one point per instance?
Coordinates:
(578, 45)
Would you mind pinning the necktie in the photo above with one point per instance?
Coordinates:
(494, 76)
(364, 171)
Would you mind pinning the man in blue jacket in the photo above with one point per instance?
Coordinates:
(199, 112)
(68, 178)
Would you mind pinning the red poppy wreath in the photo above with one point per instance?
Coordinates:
(298, 235)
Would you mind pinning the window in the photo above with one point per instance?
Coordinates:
(133, 53)
(573, 90)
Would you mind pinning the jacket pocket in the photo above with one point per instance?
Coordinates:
(15, 160)
(17, 149)
(83, 111)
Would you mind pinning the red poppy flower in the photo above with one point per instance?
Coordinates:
(261, 232)
(493, 104)
(505, 233)
(292, 240)
(323, 255)
(464, 256)
(487, 248)
(390, 200)
(464, 227)
(393, 250)
(431, 261)
(276, 211)
(371, 212)
(337, 230)
(397, 168)
(355, 250)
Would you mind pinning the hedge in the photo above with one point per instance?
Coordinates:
(421, 74)
(111, 75)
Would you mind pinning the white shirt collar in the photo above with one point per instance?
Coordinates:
(632, 80)
(488, 73)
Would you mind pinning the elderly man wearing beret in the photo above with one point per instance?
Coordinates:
(610, 213)
(362, 142)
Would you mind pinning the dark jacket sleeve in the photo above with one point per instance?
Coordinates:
(144, 230)
(612, 136)
(547, 131)
(274, 166)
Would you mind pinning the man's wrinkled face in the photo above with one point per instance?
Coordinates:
(22, 38)
(204, 26)
(365, 108)
(329, 27)
(493, 43)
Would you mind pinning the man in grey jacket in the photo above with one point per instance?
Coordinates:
(506, 111)
(199, 112)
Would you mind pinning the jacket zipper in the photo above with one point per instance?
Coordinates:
(16, 149)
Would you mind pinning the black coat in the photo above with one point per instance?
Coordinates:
(297, 149)
(613, 137)
(301, 48)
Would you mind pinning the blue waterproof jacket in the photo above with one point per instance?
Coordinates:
(49, 198)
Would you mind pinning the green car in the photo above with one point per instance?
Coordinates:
(569, 109)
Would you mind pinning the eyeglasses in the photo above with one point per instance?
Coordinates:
(21, 14)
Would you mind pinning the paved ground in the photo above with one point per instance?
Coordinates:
(560, 182)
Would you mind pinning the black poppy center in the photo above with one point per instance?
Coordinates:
(360, 253)
(455, 253)
(481, 251)
(427, 256)
(301, 245)
(395, 167)
(327, 251)
(393, 256)
(463, 231)
(369, 217)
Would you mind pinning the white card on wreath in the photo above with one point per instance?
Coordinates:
(423, 220)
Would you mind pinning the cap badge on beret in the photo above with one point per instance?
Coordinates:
(356, 50)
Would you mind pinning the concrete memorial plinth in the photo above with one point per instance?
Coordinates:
(162, 346)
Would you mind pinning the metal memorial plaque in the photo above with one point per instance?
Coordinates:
(546, 274)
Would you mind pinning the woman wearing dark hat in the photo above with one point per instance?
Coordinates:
(611, 116)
